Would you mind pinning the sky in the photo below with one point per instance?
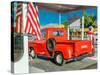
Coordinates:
(49, 17)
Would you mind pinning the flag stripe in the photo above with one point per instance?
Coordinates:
(37, 17)
(33, 26)
(29, 28)
(35, 14)
(19, 18)
(19, 7)
(34, 20)
(32, 23)
(35, 31)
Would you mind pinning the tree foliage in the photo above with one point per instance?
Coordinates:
(89, 20)
(65, 24)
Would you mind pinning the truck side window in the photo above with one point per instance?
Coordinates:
(58, 33)
(61, 33)
(43, 34)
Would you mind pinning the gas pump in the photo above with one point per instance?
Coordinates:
(90, 34)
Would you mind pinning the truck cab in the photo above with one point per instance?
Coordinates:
(49, 38)
(58, 34)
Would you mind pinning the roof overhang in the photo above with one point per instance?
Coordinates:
(62, 8)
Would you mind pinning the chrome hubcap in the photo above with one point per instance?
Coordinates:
(59, 58)
(32, 53)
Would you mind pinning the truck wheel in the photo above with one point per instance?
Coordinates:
(51, 44)
(58, 59)
(31, 53)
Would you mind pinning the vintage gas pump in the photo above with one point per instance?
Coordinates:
(90, 34)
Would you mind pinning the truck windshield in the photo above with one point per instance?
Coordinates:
(43, 34)
(58, 33)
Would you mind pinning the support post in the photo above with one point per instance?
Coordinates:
(68, 32)
(59, 18)
(22, 66)
(82, 27)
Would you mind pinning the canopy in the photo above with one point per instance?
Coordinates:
(65, 8)
(62, 8)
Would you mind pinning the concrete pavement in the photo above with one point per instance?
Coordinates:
(48, 66)
(45, 65)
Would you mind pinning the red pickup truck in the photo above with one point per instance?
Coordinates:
(54, 44)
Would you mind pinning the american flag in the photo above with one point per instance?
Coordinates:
(19, 18)
(32, 23)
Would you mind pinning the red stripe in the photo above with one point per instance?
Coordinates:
(33, 28)
(34, 12)
(19, 7)
(19, 10)
(19, 18)
(19, 27)
(29, 29)
(26, 28)
(34, 21)
(17, 24)
(32, 8)
(37, 16)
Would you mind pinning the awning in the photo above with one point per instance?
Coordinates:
(62, 8)
(65, 8)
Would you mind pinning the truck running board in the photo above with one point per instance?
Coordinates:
(79, 58)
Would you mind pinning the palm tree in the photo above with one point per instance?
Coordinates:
(89, 20)
(65, 24)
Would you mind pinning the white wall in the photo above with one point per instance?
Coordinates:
(75, 24)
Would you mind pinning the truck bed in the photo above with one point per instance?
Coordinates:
(72, 41)
(79, 46)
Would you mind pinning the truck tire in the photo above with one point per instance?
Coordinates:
(31, 53)
(58, 59)
(51, 44)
